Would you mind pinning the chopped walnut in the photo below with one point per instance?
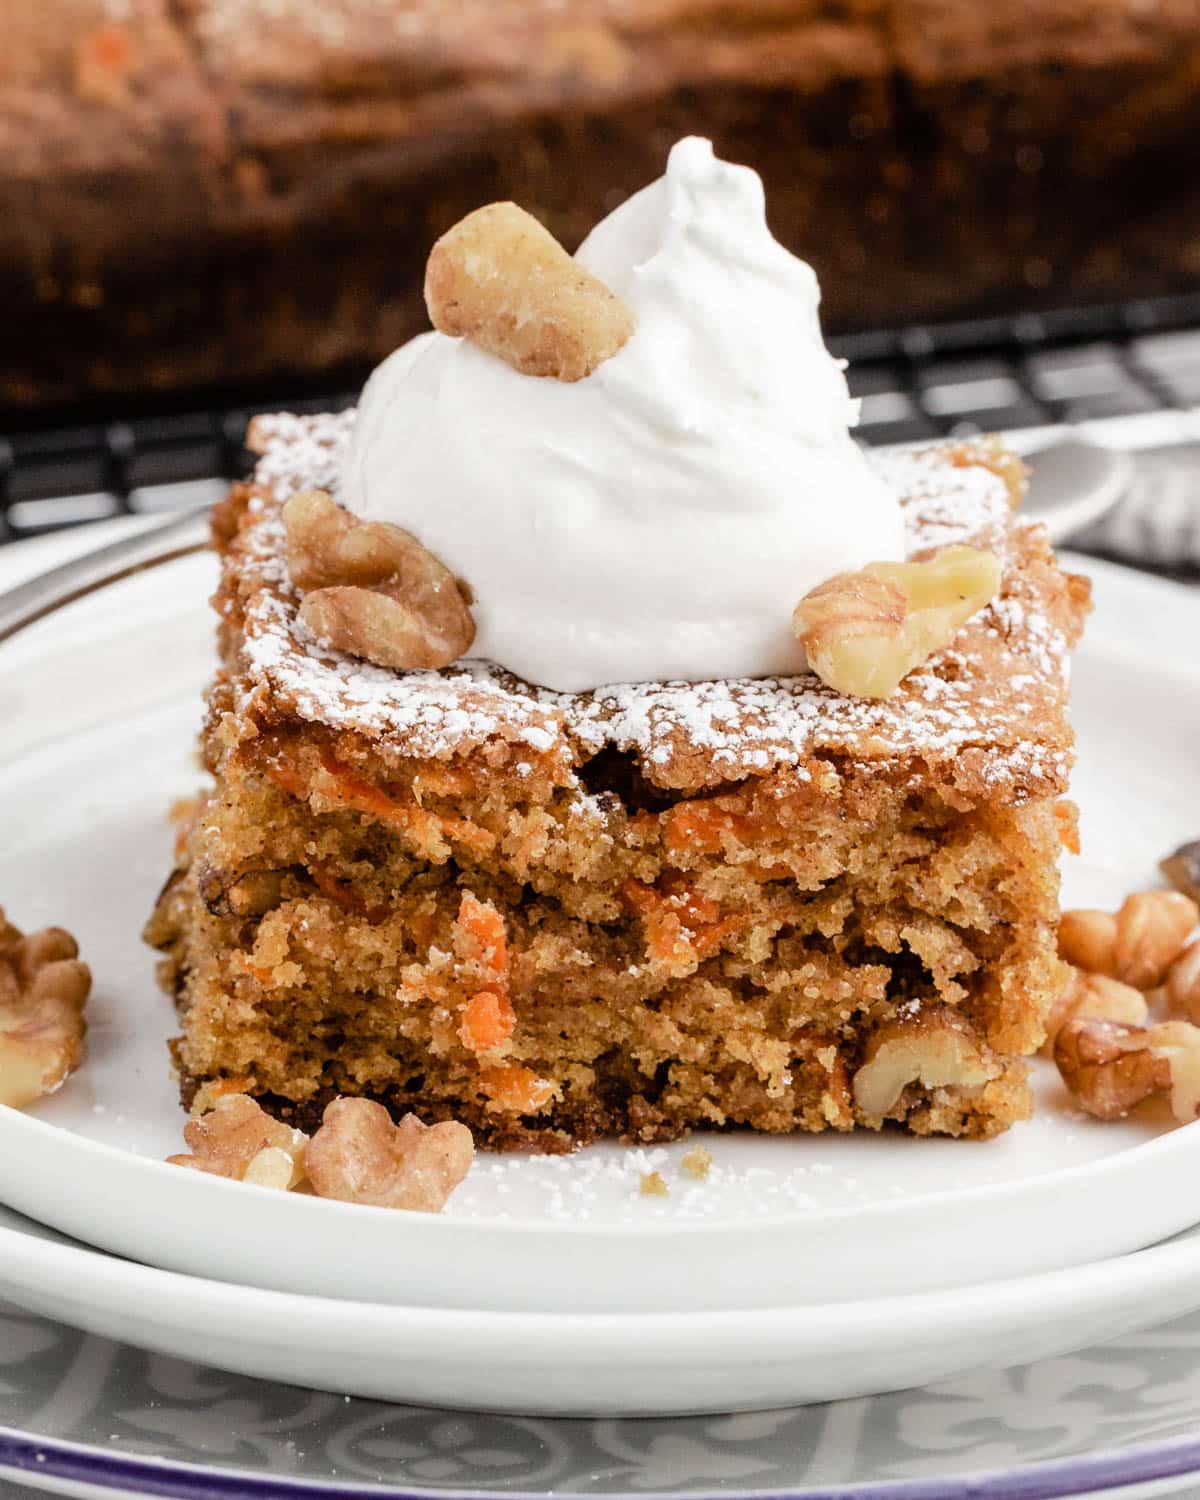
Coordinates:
(864, 632)
(503, 281)
(251, 895)
(238, 1139)
(653, 1185)
(1182, 983)
(43, 990)
(1137, 944)
(359, 1156)
(1182, 869)
(275, 1167)
(371, 589)
(1109, 1067)
(1097, 998)
(936, 1048)
(1085, 939)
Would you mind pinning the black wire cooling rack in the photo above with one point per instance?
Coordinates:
(999, 374)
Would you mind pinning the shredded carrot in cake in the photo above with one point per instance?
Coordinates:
(681, 924)
(480, 936)
(487, 1021)
(428, 830)
(701, 827)
(513, 1089)
(1066, 815)
(344, 894)
(443, 781)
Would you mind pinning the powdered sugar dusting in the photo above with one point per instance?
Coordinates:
(994, 702)
(299, 453)
(944, 505)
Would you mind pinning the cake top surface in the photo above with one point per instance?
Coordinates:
(988, 714)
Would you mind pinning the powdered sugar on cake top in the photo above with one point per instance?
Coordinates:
(993, 703)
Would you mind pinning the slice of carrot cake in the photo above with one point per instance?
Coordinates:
(796, 871)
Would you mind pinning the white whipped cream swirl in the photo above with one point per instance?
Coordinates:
(661, 518)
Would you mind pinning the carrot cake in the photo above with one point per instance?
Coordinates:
(794, 872)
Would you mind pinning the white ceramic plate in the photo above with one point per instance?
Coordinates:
(82, 1414)
(101, 706)
(564, 1364)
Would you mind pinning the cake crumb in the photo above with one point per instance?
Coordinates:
(653, 1185)
(696, 1163)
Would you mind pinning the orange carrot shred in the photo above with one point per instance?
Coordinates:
(487, 1021)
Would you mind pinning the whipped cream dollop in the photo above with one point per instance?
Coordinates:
(661, 518)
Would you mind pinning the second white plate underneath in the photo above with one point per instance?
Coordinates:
(631, 1364)
(778, 1222)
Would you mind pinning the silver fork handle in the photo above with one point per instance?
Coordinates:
(50, 591)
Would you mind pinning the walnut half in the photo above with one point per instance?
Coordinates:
(359, 1156)
(1096, 998)
(1182, 869)
(238, 1139)
(43, 990)
(1135, 944)
(503, 281)
(864, 632)
(371, 589)
(935, 1048)
(1110, 1067)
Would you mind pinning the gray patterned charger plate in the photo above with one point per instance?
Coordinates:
(86, 1416)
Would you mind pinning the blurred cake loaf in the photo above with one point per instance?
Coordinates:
(202, 191)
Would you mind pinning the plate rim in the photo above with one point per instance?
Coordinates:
(23, 1455)
(1171, 1142)
(113, 1277)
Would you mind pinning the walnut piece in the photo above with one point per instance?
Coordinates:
(935, 1048)
(238, 1139)
(1182, 869)
(1096, 998)
(359, 1156)
(864, 632)
(371, 589)
(1110, 1067)
(1137, 944)
(1182, 983)
(503, 281)
(43, 990)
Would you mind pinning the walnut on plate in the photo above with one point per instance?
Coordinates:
(359, 1156)
(371, 589)
(864, 632)
(1109, 1067)
(1182, 869)
(1096, 998)
(1182, 984)
(43, 990)
(1136, 944)
(238, 1139)
(935, 1048)
(502, 280)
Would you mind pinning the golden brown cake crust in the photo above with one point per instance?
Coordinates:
(558, 917)
(986, 717)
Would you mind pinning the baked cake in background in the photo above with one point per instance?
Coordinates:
(231, 191)
(446, 866)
